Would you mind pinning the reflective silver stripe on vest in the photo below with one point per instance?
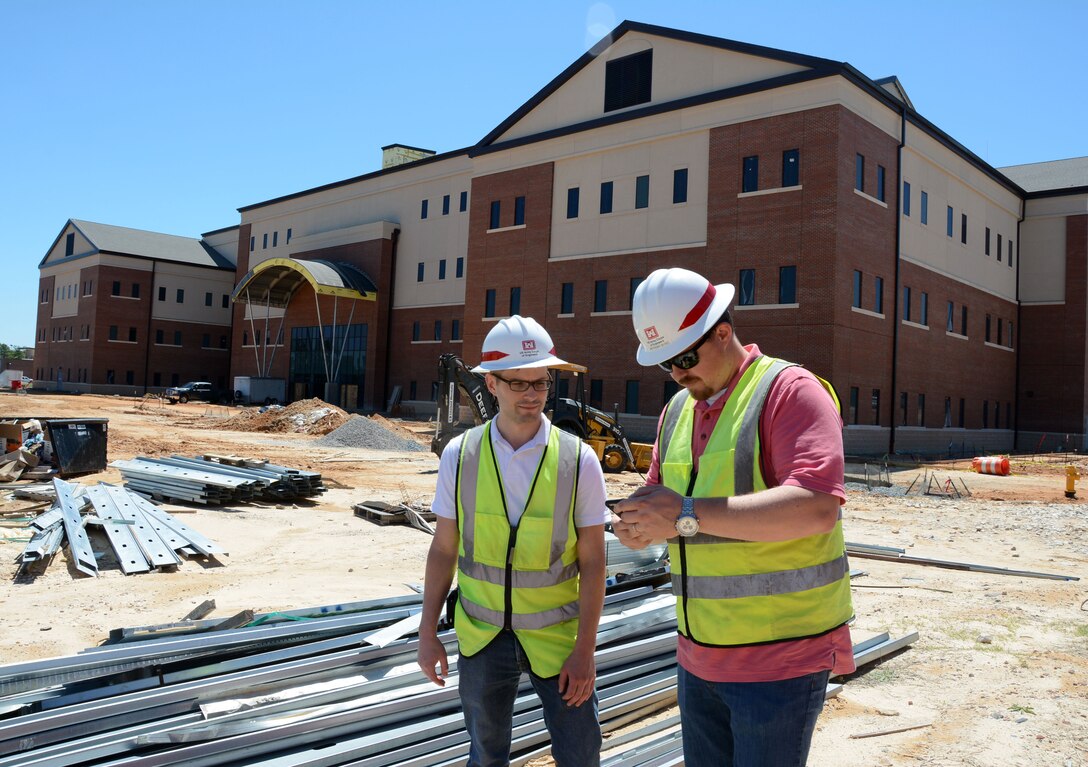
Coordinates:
(541, 620)
(762, 584)
(470, 457)
(520, 579)
(668, 425)
(745, 458)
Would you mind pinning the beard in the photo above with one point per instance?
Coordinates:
(697, 388)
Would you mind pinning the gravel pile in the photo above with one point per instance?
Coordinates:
(360, 431)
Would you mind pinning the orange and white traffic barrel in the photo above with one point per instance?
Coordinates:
(994, 464)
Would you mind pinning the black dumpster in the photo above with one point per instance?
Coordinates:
(79, 444)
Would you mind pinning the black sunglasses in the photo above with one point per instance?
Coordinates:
(518, 385)
(689, 359)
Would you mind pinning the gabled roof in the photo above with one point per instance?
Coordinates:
(893, 86)
(138, 243)
(1068, 176)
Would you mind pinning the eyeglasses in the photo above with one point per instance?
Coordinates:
(518, 385)
(689, 359)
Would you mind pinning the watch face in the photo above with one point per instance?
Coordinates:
(687, 525)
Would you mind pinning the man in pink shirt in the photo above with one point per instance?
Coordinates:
(746, 484)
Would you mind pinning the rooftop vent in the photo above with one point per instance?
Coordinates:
(400, 154)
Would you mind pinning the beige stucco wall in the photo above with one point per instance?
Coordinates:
(196, 282)
(1042, 275)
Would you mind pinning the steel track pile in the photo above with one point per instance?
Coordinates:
(211, 482)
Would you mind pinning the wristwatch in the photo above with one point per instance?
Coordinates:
(687, 524)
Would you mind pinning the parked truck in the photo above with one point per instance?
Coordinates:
(12, 379)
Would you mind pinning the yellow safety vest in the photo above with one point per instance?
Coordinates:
(522, 578)
(731, 592)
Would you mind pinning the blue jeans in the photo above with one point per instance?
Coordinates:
(749, 724)
(488, 686)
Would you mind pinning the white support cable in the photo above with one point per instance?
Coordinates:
(253, 330)
(321, 334)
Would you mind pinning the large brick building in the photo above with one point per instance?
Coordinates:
(865, 243)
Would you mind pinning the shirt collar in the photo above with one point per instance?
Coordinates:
(539, 439)
(717, 400)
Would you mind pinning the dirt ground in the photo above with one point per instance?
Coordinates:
(998, 675)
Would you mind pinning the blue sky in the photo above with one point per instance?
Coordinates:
(168, 116)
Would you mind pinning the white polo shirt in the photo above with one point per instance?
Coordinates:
(517, 468)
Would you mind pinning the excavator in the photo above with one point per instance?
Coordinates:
(597, 428)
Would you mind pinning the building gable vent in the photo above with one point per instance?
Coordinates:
(627, 80)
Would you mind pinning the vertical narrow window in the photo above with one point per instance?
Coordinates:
(986, 242)
(489, 303)
(419, 272)
(423, 209)
(460, 272)
(878, 295)
(787, 284)
(963, 413)
(135, 290)
(642, 192)
(572, 202)
(963, 228)
(985, 414)
(463, 204)
(906, 303)
(948, 222)
(566, 298)
(177, 338)
(750, 174)
(791, 167)
(70, 243)
(630, 400)
(923, 309)
(859, 173)
(906, 198)
(875, 403)
(158, 336)
(132, 334)
(275, 238)
(948, 412)
(288, 235)
(442, 269)
(411, 390)
(987, 328)
(162, 293)
(747, 284)
(596, 392)
(206, 341)
(880, 173)
(226, 301)
(963, 320)
(1010, 253)
(207, 299)
(679, 186)
(181, 296)
(921, 410)
(903, 399)
(1000, 328)
(519, 211)
(1008, 415)
(606, 197)
(438, 330)
(496, 209)
(445, 205)
(600, 296)
(264, 242)
(115, 292)
(950, 325)
(635, 282)
(853, 404)
(455, 330)
(999, 248)
(415, 330)
(997, 415)
(515, 301)
(857, 289)
(925, 207)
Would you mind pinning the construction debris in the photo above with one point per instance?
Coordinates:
(308, 416)
(382, 513)
(892, 554)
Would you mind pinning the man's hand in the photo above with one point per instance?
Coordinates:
(432, 654)
(577, 677)
(648, 515)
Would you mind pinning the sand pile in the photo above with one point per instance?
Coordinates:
(308, 416)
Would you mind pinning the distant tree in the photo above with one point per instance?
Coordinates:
(9, 352)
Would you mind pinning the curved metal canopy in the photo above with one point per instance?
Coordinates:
(275, 281)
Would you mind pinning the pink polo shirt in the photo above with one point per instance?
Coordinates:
(800, 436)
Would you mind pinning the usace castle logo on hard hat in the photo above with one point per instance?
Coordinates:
(653, 338)
(528, 346)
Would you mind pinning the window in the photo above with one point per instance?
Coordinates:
(496, 209)
(987, 328)
(181, 296)
(411, 390)
(1008, 415)
(963, 320)
(948, 223)
(791, 167)
(853, 404)
(162, 293)
(245, 338)
(963, 413)
(226, 301)
(747, 283)
(519, 211)
(156, 379)
(596, 392)
(950, 325)
(750, 174)
(921, 410)
(857, 289)
(132, 334)
(878, 295)
(445, 205)
(222, 342)
(1000, 328)
(906, 303)
(642, 192)
(423, 209)
(635, 282)
(880, 173)
(489, 303)
(1010, 334)
(135, 289)
(515, 301)
(1010, 254)
(460, 272)
(177, 338)
(566, 298)
(464, 202)
(288, 235)
(963, 228)
(206, 341)
(903, 408)
(997, 415)
(415, 330)
(442, 269)
(129, 376)
(275, 238)
(115, 292)
(859, 173)
(455, 330)
(207, 299)
(925, 207)
(572, 202)
(906, 198)
(679, 186)
(438, 330)
(158, 336)
(985, 414)
(875, 404)
(419, 272)
(630, 400)
(252, 244)
(600, 296)
(628, 80)
(787, 284)
(264, 242)
(70, 243)
(923, 309)
(606, 197)
(113, 332)
(986, 242)
(999, 248)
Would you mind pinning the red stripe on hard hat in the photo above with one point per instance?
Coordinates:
(492, 356)
(699, 308)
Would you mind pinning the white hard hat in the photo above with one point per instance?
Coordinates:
(517, 342)
(672, 309)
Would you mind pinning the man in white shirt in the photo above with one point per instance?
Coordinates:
(520, 516)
